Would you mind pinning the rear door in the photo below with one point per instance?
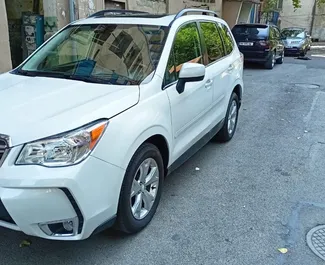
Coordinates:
(217, 67)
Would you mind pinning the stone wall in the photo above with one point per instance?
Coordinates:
(318, 31)
(302, 17)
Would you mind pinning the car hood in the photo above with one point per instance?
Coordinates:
(36, 107)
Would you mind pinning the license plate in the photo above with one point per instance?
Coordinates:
(289, 47)
(246, 43)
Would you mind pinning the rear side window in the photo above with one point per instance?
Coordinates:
(244, 32)
(227, 38)
(213, 41)
(186, 48)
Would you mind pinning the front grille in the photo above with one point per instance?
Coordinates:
(4, 148)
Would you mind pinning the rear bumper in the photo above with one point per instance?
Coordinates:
(256, 56)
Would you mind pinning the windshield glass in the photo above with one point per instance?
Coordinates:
(293, 33)
(250, 32)
(108, 53)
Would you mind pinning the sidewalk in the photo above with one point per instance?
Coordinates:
(318, 45)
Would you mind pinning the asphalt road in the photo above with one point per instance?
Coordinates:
(262, 191)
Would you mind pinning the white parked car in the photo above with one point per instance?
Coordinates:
(95, 119)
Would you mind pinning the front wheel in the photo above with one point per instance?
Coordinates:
(141, 190)
(228, 130)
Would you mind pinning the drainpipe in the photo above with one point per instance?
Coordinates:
(71, 10)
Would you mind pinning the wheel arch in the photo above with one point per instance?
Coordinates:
(238, 89)
(157, 136)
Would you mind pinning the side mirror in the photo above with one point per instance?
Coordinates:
(190, 72)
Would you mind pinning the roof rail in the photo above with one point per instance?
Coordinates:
(114, 12)
(196, 10)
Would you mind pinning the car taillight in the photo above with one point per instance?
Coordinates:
(264, 43)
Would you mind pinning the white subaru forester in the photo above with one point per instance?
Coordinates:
(95, 119)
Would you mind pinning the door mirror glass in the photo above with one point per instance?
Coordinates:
(190, 72)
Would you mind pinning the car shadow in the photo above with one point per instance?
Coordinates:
(255, 66)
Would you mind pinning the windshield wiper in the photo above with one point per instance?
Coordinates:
(88, 79)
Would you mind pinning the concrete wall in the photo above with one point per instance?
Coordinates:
(302, 17)
(175, 5)
(5, 60)
(318, 31)
(155, 7)
(245, 12)
(230, 12)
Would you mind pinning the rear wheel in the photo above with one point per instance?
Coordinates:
(270, 62)
(228, 130)
(280, 60)
(141, 189)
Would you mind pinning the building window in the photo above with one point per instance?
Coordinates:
(121, 43)
(280, 4)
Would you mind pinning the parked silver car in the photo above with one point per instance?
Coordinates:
(295, 40)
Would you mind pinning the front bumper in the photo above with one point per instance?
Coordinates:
(34, 195)
(293, 50)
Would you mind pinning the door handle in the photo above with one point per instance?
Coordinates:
(208, 84)
(231, 67)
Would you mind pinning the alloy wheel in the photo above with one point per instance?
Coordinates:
(144, 188)
(232, 117)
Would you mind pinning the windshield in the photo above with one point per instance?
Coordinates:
(108, 53)
(250, 32)
(293, 33)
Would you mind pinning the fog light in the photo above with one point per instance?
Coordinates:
(60, 228)
(68, 225)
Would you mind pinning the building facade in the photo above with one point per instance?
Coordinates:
(310, 16)
(21, 31)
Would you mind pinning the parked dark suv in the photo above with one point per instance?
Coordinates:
(260, 43)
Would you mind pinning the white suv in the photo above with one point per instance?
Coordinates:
(95, 119)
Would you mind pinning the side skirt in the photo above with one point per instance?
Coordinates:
(195, 148)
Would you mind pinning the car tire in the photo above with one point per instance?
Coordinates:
(230, 124)
(270, 62)
(280, 60)
(134, 192)
(303, 53)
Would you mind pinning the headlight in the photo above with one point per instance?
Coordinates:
(64, 149)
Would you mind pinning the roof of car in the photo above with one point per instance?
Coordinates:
(144, 20)
(141, 18)
(252, 24)
(294, 28)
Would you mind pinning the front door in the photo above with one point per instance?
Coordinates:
(189, 109)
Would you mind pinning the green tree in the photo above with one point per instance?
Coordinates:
(297, 3)
(270, 5)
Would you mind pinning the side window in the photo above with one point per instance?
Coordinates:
(213, 41)
(186, 48)
(227, 38)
